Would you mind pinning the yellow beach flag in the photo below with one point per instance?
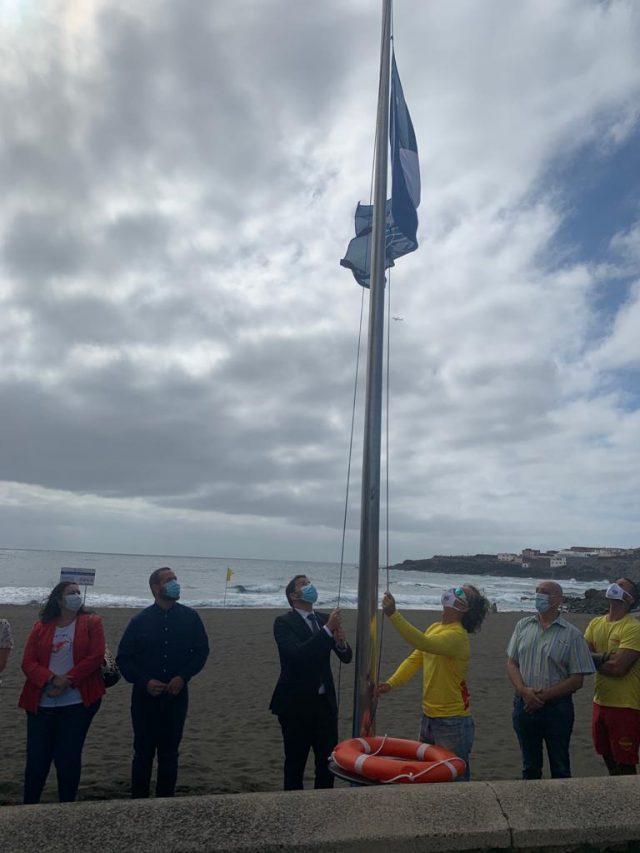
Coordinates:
(229, 574)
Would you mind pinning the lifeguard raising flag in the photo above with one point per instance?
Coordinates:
(401, 208)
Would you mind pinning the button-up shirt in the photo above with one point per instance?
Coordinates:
(161, 644)
(311, 621)
(546, 656)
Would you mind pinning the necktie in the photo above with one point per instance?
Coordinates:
(315, 629)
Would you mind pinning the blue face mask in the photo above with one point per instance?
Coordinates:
(172, 589)
(73, 601)
(542, 602)
(308, 593)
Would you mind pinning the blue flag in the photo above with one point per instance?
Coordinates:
(400, 213)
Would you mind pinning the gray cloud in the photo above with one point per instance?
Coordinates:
(177, 340)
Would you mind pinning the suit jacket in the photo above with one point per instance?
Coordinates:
(304, 665)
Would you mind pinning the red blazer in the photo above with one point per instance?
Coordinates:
(88, 654)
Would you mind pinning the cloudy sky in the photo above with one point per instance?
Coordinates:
(178, 340)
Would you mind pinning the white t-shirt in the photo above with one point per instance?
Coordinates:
(60, 663)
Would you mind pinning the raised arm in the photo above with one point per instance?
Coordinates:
(298, 651)
(407, 669)
(449, 646)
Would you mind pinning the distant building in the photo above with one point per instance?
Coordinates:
(539, 564)
(507, 558)
(556, 562)
(529, 553)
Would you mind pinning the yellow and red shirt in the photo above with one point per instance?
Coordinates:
(443, 651)
(605, 636)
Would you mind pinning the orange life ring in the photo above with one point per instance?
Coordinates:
(390, 759)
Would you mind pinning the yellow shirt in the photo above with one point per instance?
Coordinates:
(443, 651)
(605, 636)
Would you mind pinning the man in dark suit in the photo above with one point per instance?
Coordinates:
(305, 697)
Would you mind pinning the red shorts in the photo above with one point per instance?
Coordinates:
(616, 733)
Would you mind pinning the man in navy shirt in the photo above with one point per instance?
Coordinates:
(163, 647)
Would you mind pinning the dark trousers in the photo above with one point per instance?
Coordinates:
(317, 730)
(58, 735)
(552, 725)
(158, 722)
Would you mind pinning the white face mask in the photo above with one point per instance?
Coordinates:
(455, 599)
(616, 593)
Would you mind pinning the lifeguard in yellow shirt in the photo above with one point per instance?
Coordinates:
(614, 640)
(443, 653)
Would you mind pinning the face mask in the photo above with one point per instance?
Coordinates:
(542, 602)
(172, 589)
(73, 601)
(616, 593)
(455, 599)
(308, 593)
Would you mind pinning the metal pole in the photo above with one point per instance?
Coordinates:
(367, 624)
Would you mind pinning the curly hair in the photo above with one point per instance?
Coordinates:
(478, 608)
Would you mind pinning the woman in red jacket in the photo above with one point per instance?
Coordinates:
(63, 690)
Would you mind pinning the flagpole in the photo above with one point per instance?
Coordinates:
(226, 585)
(367, 622)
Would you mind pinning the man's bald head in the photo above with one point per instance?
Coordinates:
(550, 588)
(553, 593)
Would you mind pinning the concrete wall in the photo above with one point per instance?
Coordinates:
(561, 815)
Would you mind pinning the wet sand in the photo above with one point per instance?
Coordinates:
(232, 743)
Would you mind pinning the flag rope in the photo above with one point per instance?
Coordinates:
(346, 500)
(350, 454)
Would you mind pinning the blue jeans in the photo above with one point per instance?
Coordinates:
(56, 734)
(452, 733)
(552, 725)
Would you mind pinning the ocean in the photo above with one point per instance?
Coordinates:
(122, 581)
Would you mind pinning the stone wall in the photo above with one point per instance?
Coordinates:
(559, 815)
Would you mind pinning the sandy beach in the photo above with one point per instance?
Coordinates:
(232, 742)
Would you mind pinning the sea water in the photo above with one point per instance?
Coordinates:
(121, 580)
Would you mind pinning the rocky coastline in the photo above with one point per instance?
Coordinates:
(580, 567)
(592, 602)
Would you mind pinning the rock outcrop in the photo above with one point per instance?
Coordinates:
(579, 567)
